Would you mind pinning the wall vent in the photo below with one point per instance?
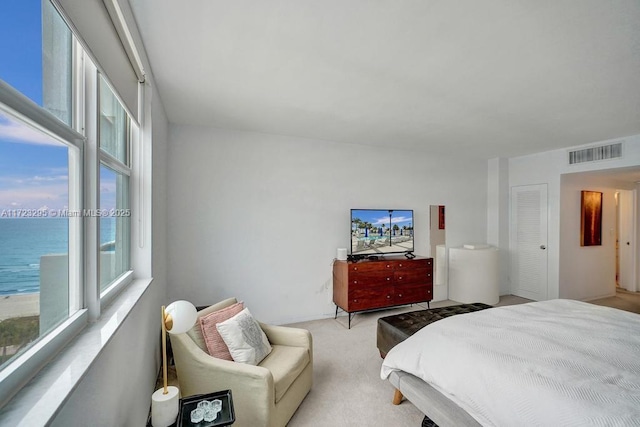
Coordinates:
(594, 154)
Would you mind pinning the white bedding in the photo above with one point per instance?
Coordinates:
(549, 363)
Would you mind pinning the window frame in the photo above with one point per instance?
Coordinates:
(25, 365)
(86, 301)
(107, 295)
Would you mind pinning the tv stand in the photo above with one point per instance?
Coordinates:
(382, 283)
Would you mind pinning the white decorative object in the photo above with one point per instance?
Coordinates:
(342, 254)
(184, 316)
(246, 341)
(473, 275)
(165, 407)
(475, 246)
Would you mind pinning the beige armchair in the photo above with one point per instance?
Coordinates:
(266, 395)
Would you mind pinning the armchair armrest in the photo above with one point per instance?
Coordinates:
(284, 335)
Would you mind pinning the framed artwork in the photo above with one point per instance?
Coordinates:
(441, 217)
(591, 218)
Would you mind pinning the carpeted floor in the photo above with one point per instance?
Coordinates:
(623, 300)
(347, 389)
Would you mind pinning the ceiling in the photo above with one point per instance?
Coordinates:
(484, 79)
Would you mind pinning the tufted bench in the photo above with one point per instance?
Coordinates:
(394, 329)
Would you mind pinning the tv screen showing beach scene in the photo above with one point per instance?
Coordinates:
(381, 231)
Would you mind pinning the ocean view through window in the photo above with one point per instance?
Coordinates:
(38, 170)
(34, 188)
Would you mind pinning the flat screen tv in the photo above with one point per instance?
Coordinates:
(381, 232)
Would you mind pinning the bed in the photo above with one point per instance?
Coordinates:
(558, 362)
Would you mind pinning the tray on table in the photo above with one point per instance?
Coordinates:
(225, 417)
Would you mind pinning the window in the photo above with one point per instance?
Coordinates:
(34, 230)
(114, 141)
(36, 48)
(38, 168)
(65, 188)
(114, 226)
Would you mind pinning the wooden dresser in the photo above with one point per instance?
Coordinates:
(369, 284)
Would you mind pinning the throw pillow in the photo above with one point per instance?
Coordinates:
(247, 342)
(215, 344)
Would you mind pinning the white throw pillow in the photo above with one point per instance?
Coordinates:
(246, 341)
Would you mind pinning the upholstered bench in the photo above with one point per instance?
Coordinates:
(394, 329)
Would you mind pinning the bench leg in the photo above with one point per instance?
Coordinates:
(397, 397)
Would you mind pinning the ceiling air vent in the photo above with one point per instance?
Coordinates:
(593, 154)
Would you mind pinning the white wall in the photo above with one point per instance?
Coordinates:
(260, 216)
(498, 217)
(548, 168)
(586, 272)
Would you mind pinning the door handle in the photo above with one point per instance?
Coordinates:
(543, 247)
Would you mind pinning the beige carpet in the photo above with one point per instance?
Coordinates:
(624, 300)
(347, 389)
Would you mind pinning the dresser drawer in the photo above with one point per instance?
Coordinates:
(364, 299)
(370, 267)
(412, 293)
(364, 279)
(418, 276)
(414, 264)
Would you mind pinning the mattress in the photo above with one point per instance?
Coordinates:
(558, 362)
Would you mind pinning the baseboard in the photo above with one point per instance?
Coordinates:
(609, 295)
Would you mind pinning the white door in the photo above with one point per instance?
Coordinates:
(528, 241)
(626, 241)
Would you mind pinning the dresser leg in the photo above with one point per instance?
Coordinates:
(336, 316)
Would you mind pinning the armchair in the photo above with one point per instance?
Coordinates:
(266, 395)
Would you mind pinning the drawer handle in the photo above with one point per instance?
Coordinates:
(388, 278)
(400, 295)
(428, 292)
(355, 268)
(355, 300)
(399, 265)
(388, 296)
(355, 281)
(428, 274)
(400, 278)
(388, 266)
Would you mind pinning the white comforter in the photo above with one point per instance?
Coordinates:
(551, 363)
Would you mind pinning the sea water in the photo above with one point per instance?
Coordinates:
(24, 240)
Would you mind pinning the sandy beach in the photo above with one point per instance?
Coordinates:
(19, 305)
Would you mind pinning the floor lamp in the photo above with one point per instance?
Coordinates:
(177, 318)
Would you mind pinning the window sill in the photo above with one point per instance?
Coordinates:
(38, 402)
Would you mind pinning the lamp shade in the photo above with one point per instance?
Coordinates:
(184, 316)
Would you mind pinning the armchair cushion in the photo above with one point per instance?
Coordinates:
(214, 342)
(246, 341)
(196, 332)
(285, 364)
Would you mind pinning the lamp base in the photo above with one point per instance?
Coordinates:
(165, 407)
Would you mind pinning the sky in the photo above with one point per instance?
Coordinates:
(380, 217)
(33, 166)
